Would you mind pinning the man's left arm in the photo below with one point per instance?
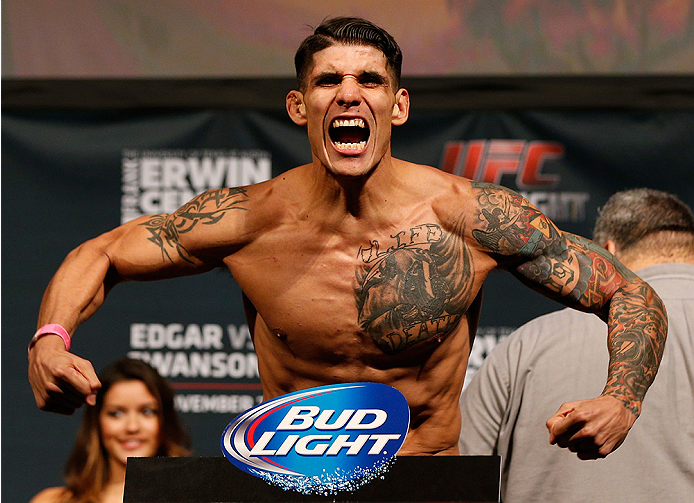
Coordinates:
(580, 274)
(637, 328)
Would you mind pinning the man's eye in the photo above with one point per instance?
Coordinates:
(328, 81)
(371, 80)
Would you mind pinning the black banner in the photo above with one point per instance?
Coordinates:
(68, 177)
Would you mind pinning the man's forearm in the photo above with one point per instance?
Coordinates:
(78, 288)
(637, 328)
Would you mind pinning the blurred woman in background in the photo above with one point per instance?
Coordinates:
(134, 416)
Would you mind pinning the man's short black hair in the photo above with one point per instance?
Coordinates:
(351, 31)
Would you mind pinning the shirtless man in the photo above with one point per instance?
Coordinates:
(363, 267)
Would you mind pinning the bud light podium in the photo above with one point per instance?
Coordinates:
(214, 479)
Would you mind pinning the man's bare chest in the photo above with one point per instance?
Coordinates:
(397, 288)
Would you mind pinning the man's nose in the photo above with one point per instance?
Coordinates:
(348, 93)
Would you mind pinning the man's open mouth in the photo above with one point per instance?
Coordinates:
(349, 134)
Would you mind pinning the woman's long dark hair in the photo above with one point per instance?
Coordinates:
(87, 468)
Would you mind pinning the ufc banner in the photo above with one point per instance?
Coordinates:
(68, 177)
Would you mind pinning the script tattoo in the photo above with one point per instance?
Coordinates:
(580, 274)
(206, 209)
(415, 290)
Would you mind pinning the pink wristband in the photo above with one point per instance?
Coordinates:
(51, 328)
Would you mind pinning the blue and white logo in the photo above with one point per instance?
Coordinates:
(320, 440)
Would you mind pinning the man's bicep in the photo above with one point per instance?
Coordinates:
(566, 267)
(140, 250)
(576, 272)
(190, 240)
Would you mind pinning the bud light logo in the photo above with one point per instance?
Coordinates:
(320, 440)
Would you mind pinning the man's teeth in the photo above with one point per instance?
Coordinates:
(350, 146)
(349, 123)
(359, 123)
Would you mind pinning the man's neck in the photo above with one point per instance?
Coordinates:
(357, 197)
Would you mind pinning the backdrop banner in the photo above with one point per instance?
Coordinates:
(70, 176)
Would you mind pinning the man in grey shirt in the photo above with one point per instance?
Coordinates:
(524, 378)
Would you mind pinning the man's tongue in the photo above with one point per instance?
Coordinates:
(349, 135)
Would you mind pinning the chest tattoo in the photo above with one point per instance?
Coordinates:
(415, 288)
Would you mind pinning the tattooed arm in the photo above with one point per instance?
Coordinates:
(152, 247)
(582, 275)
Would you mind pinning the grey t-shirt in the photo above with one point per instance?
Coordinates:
(562, 357)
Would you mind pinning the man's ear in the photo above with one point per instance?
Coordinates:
(296, 108)
(611, 247)
(401, 108)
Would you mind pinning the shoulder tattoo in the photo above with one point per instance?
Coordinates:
(206, 209)
(508, 224)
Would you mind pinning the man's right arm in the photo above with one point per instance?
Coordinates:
(192, 240)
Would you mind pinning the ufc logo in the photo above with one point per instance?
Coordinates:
(489, 160)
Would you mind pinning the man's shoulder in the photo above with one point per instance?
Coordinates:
(562, 317)
(235, 215)
(280, 189)
(445, 190)
(563, 324)
(549, 336)
(462, 189)
(666, 272)
(426, 172)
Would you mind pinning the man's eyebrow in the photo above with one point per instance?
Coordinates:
(325, 74)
